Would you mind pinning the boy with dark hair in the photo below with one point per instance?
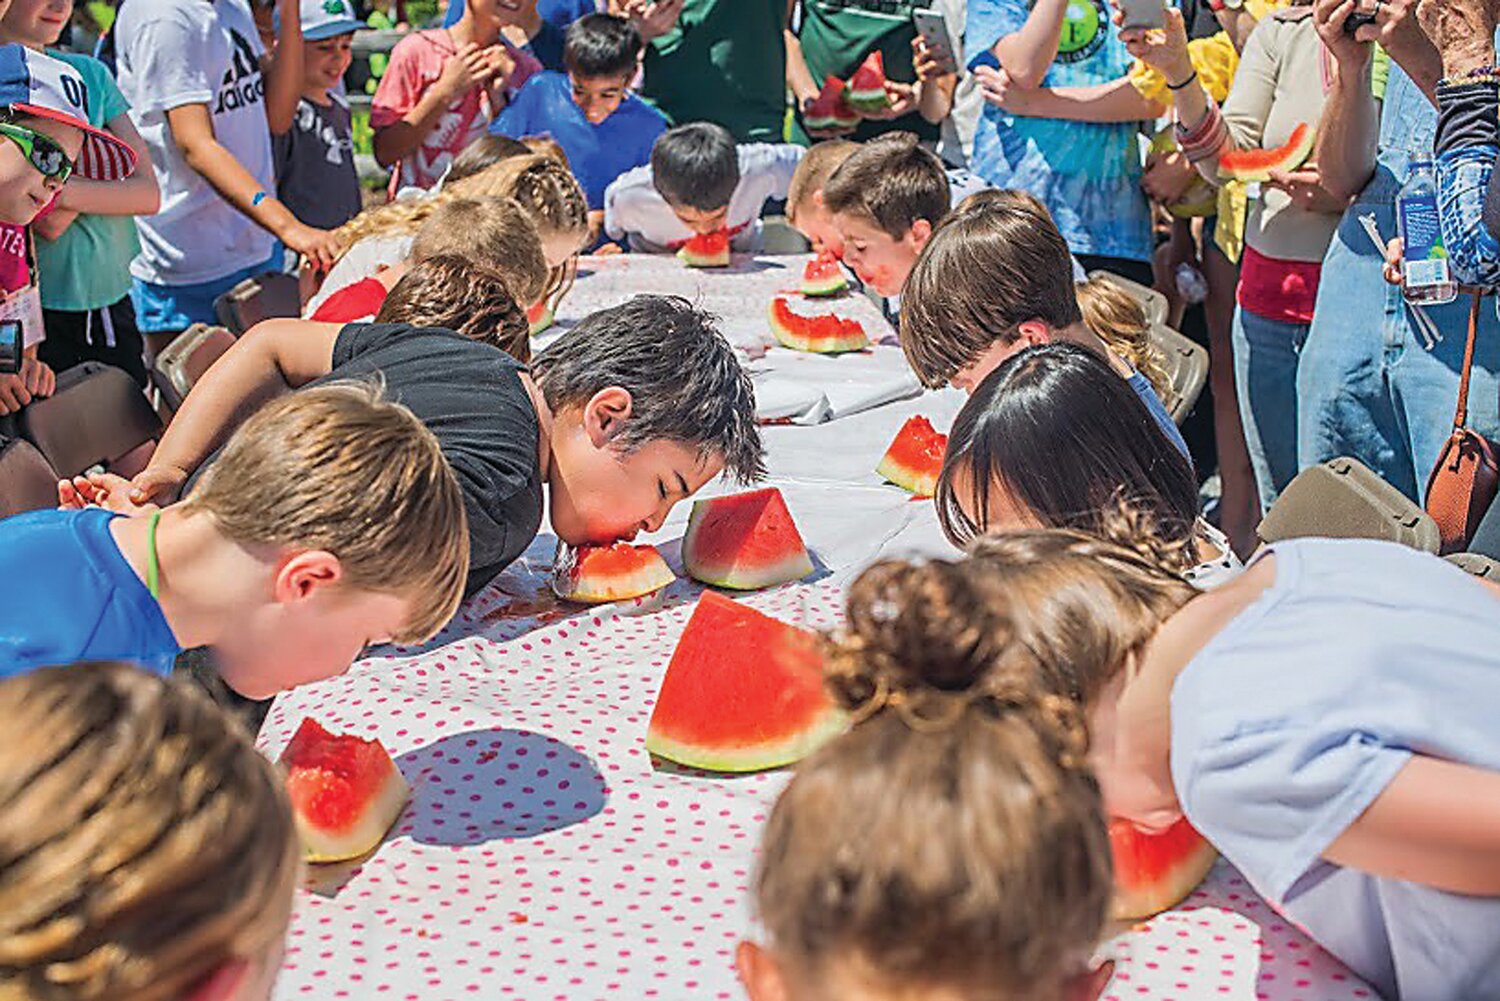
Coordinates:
(885, 200)
(698, 182)
(631, 411)
(603, 128)
(460, 294)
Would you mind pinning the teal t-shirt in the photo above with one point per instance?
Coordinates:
(88, 266)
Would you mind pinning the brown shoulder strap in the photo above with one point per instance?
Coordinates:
(1461, 416)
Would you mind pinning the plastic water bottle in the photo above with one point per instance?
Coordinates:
(1427, 275)
(1191, 284)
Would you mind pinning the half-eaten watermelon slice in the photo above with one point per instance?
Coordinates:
(594, 574)
(743, 693)
(1257, 164)
(539, 316)
(915, 458)
(867, 85)
(824, 276)
(345, 791)
(744, 541)
(827, 334)
(830, 110)
(1156, 871)
(706, 250)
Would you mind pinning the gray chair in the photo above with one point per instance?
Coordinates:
(96, 416)
(1186, 365)
(1476, 564)
(1158, 310)
(27, 480)
(178, 368)
(1344, 499)
(264, 297)
(780, 237)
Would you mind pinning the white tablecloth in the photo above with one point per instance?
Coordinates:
(545, 856)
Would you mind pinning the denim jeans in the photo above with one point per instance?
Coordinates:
(1265, 373)
(1463, 178)
(1369, 385)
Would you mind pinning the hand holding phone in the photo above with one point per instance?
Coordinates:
(1142, 14)
(932, 28)
(12, 343)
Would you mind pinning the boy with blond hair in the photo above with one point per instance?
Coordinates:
(331, 522)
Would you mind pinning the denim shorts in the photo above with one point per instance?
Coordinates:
(162, 308)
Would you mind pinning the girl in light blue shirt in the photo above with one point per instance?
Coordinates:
(1327, 720)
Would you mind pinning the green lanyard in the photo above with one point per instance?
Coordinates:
(153, 564)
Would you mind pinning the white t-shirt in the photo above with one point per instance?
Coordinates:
(361, 261)
(172, 53)
(634, 209)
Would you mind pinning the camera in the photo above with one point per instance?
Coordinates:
(1357, 20)
(12, 343)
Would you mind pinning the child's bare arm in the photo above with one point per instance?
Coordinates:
(283, 71)
(469, 67)
(1027, 54)
(1436, 823)
(270, 359)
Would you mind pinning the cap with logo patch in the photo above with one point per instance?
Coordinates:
(38, 85)
(324, 19)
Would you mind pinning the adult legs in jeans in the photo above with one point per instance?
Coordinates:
(1265, 373)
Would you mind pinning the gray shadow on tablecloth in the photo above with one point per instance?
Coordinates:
(488, 785)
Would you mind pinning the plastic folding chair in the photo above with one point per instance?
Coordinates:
(1158, 310)
(1186, 364)
(1344, 499)
(178, 368)
(96, 416)
(27, 480)
(1476, 564)
(264, 297)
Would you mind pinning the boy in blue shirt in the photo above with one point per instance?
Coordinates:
(603, 128)
(330, 523)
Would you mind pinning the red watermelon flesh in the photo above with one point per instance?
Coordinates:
(1257, 164)
(867, 85)
(827, 334)
(1156, 871)
(915, 458)
(593, 574)
(706, 250)
(823, 276)
(540, 316)
(744, 541)
(743, 693)
(345, 791)
(830, 110)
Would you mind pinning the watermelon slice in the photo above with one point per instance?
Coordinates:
(1156, 871)
(540, 316)
(823, 276)
(915, 458)
(1257, 164)
(706, 250)
(828, 334)
(830, 110)
(867, 85)
(346, 792)
(593, 574)
(743, 693)
(745, 541)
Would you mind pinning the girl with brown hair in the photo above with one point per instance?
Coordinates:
(952, 845)
(147, 852)
(1326, 720)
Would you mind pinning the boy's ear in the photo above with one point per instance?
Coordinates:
(921, 232)
(301, 573)
(605, 414)
(223, 984)
(1090, 986)
(1034, 333)
(759, 972)
(817, 199)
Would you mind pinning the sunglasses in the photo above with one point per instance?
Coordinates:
(41, 151)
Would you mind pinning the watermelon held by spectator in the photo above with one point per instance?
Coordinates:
(1257, 164)
(830, 110)
(706, 250)
(742, 693)
(539, 316)
(1156, 871)
(744, 542)
(826, 334)
(867, 85)
(915, 458)
(594, 574)
(823, 276)
(346, 792)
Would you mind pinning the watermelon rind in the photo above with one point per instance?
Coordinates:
(571, 582)
(823, 113)
(917, 435)
(539, 319)
(757, 758)
(1253, 165)
(831, 284)
(1139, 894)
(734, 574)
(788, 337)
(321, 771)
(922, 484)
(694, 256)
(322, 846)
(867, 86)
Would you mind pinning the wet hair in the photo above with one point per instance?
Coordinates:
(481, 154)
(891, 182)
(954, 839)
(494, 232)
(685, 383)
(463, 295)
(144, 842)
(696, 166)
(813, 171)
(992, 265)
(1120, 321)
(1058, 430)
(601, 45)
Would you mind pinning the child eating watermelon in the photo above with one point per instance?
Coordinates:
(634, 409)
(866, 882)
